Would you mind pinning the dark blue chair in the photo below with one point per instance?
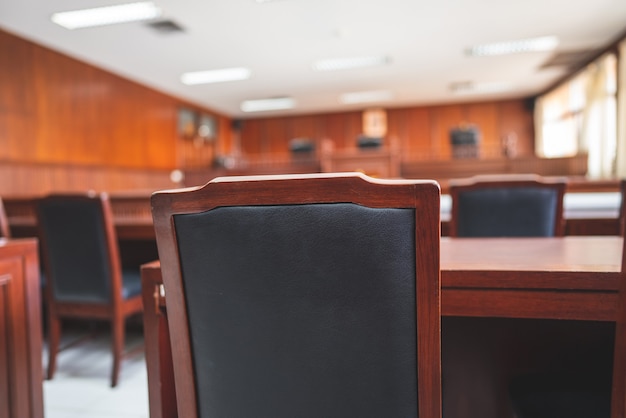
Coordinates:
(84, 276)
(507, 206)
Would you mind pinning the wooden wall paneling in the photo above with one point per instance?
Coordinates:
(485, 117)
(307, 126)
(275, 140)
(251, 134)
(443, 119)
(56, 109)
(397, 130)
(419, 128)
(343, 128)
(516, 117)
(16, 102)
(224, 142)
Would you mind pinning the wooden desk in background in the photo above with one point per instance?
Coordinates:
(133, 218)
(492, 290)
(21, 375)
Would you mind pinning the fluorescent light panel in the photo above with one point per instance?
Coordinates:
(353, 62)
(215, 76)
(107, 15)
(545, 43)
(279, 103)
(366, 96)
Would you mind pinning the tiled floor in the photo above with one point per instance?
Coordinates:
(81, 386)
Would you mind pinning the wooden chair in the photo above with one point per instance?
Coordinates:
(303, 296)
(5, 232)
(508, 205)
(571, 396)
(84, 276)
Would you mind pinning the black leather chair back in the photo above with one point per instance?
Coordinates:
(507, 212)
(300, 296)
(73, 238)
(301, 311)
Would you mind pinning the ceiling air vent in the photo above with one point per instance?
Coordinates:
(570, 59)
(166, 27)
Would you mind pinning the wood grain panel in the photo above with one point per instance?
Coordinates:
(515, 117)
(56, 109)
(444, 119)
(421, 132)
(412, 126)
(485, 117)
(19, 179)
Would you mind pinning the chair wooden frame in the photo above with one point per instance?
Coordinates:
(458, 186)
(116, 311)
(423, 196)
(5, 232)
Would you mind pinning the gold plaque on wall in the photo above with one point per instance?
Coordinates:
(375, 123)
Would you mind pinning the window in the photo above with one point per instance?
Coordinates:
(580, 116)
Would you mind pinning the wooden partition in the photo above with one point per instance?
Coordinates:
(21, 375)
(32, 179)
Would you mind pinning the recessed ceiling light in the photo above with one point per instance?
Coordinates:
(277, 103)
(107, 15)
(366, 96)
(545, 43)
(469, 87)
(215, 76)
(353, 62)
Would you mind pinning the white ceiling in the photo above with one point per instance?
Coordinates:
(279, 41)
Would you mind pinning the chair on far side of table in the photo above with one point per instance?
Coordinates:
(303, 296)
(84, 276)
(507, 206)
(5, 232)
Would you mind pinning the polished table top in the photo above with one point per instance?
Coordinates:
(551, 278)
(567, 277)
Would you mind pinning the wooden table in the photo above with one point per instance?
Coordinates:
(21, 376)
(484, 282)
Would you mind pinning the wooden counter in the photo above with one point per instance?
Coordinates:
(21, 376)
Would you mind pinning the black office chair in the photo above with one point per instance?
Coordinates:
(84, 277)
(5, 232)
(303, 296)
(507, 206)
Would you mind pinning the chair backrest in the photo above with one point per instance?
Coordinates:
(79, 248)
(303, 296)
(511, 206)
(5, 232)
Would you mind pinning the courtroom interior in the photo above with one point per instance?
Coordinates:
(113, 135)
